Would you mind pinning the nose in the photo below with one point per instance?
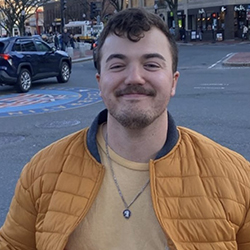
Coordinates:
(135, 75)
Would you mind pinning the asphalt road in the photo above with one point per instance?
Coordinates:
(210, 99)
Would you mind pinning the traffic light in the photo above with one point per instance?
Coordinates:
(63, 5)
(93, 10)
(63, 8)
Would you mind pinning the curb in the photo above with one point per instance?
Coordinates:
(202, 43)
(235, 60)
(82, 59)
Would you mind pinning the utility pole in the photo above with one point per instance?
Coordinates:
(22, 31)
(63, 8)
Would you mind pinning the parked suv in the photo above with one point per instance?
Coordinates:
(26, 59)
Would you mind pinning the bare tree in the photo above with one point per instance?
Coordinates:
(8, 16)
(17, 12)
(108, 9)
(118, 4)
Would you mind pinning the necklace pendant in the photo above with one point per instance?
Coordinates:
(127, 213)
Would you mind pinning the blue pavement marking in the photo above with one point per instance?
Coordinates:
(47, 100)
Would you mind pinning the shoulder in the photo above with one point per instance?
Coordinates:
(210, 152)
(52, 160)
(205, 145)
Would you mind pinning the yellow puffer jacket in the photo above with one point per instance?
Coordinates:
(200, 193)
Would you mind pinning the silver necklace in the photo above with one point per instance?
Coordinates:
(126, 212)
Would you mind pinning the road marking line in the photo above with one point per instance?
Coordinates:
(212, 86)
(209, 88)
(213, 65)
(215, 84)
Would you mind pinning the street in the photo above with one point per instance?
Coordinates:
(211, 99)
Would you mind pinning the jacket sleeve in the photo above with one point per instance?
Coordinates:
(18, 231)
(243, 236)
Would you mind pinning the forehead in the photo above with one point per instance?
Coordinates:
(153, 41)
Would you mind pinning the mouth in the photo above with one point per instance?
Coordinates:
(134, 90)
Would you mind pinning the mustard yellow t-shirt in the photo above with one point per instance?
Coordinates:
(104, 227)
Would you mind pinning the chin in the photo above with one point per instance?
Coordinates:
(135, 120)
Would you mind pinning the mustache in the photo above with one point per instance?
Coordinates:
(135, 89)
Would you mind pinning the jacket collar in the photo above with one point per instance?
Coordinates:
(172, 136)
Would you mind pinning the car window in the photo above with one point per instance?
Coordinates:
(28, 45)
(1, 47)
(24, 45)
(41, 46)
(17, 46)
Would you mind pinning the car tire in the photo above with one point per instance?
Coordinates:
(64, 73)
(24, 81)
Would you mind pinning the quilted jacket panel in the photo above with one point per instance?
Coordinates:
(200, 193)
(51, 195)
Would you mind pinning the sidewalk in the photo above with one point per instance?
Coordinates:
(224, 42)
(78, 58)
(241, 59)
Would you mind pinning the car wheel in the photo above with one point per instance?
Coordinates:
(24, 81)
(64, 73)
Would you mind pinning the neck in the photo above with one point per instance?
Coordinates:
(137, 145)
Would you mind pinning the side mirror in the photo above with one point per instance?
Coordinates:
(53, 48)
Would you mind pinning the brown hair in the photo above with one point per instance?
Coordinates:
(132, 23)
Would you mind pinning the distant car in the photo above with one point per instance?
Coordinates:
(26, 59)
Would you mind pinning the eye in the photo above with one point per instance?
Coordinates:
(117, 66)
(152, 66)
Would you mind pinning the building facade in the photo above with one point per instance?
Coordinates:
(76, 10)
(225, 18)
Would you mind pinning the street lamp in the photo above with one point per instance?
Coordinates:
(23, 28)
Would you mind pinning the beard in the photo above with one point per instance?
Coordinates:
(132, 116)
(135, 119)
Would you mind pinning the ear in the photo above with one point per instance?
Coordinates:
(98, 77)
(174, 83)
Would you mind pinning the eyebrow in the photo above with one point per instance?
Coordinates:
(146, 56)
(118, 56)
(153, 55)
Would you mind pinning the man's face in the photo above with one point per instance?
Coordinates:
(136, 79)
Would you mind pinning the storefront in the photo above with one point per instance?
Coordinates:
(206, 23)
(219, 23)
(241, 18)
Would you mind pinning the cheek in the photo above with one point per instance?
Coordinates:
(105, 88)
(108, 83)
(165, 83)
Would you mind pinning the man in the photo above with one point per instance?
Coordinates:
(133, 180)
(56, 40)
(244, 32)
(65, 39)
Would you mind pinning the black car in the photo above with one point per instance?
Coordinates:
(26, 59)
